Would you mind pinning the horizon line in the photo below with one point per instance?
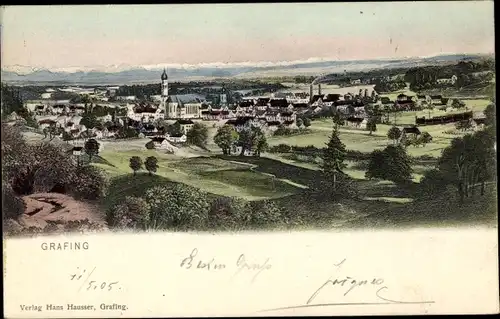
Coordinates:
(263, 64)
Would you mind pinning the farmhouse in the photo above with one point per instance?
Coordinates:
(436, 99)
(177, 138)
(241, 122)
(185, 125)
(404, 98)
(288, 116)
(411, 130)
(451, 80)
(354, 121)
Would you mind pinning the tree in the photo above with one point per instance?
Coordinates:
(490, 114)
(394, 134)
(458, 104)
(337, 119)
(307, 122)
(376, 164)
(174, 129)
(151, 164)
(371, 125)
(90, 182)
(133, 213)
(260, 142)
(468, 161)
(300, 122)
(66, 136)
(91, 148)
(12, 205)
(246, 140)
(176, 206)
(11, 100)
(425, 138)
(198, 135)
(333, 157)
(225, 137)
(135, 163)
(392, 163)
(89, 120)
(464, 125)
(150, 145)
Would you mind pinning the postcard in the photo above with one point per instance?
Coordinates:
(258, 159)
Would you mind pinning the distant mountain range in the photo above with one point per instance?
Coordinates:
(149, 74)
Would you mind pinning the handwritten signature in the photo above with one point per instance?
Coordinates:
(350, 284)
(242, 264)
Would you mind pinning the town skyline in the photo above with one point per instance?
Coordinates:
(174, 35)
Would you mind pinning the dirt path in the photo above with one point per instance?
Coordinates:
(43, 208)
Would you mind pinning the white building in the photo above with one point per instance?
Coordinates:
(451, 80)
(186, 106)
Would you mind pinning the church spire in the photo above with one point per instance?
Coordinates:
(164, 75)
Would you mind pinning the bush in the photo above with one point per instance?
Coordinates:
(226, 212)
(12, 206)
(82, 226)
(47, 166)
(90, 183)
(127, 132)
(150, 145)
(432, 183)
(177, 206)
(392, 163)
(261, 214)
(281, 148)
(133, 212)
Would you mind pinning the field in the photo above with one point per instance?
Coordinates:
(360, 140)
(217, 176)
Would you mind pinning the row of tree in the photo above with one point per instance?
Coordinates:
(249, 139)
(469, 162)
(150, 164)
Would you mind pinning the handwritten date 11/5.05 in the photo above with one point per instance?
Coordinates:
(84, 277)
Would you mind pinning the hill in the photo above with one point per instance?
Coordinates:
(17, 75)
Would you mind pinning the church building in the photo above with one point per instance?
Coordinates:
(183, 106)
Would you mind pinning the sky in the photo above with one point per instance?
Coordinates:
(86, 35)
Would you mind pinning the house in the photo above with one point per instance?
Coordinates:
(278, 103)
(185, 125)
(160, 142)
(410, 130)
(354, 121)
(404, 98)
(177, 138)
(241, 122)
(262, 104)
(288, 116)
(273, 115)
(317, 99)
(300, 107)
(46, 123)
(236, 150)
(436, 99)
(332, 98)
(356, 81)
(450, 81)
(405, 105)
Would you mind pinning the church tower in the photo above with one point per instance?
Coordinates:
(164, 93)
(164, 84)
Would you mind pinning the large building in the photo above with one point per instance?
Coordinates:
(184, 106)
